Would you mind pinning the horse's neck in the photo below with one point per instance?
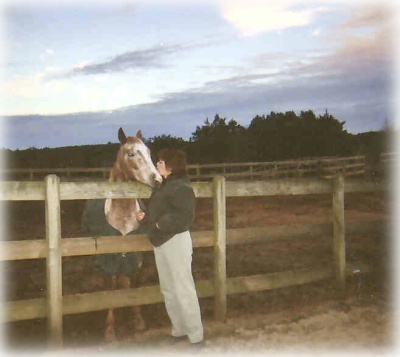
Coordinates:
(121, 213)
(117, 174)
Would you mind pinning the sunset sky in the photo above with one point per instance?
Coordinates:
(74, 72)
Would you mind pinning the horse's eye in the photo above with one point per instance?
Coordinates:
(130, 154)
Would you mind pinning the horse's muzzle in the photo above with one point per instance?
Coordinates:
(156, 180)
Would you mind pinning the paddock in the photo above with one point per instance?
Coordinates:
(54, 305)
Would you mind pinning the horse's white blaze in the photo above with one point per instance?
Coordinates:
(141, 165)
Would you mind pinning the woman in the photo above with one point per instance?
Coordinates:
(168, 216)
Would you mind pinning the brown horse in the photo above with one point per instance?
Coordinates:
(118, 217)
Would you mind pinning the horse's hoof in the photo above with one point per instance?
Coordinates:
(139, 326)
(109, 335)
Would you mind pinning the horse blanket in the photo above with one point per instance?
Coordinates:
(94, 223)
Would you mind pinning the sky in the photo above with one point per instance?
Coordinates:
(74, 72)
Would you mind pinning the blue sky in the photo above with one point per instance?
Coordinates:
(74, 72)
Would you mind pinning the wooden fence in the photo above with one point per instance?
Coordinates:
(54, 247)
(326, 168)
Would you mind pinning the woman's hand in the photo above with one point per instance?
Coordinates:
(140, 216)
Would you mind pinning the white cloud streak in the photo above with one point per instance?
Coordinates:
(151, 58)
(252, 17)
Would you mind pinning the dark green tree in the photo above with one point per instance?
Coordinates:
(281, 136)
(219, 141)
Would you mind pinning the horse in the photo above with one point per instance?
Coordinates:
(113, 217)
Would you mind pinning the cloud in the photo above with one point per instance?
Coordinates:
(252, 17)
(47, 54)
(316, 32)
(360, 96)
(365, 38)
(151, 58)
(370, 15)
(352, 82)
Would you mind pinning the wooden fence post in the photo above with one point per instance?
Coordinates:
(339, 244)
(53, 262)
(220, 289)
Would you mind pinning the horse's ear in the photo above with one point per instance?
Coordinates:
(139, 135)
(121, 136)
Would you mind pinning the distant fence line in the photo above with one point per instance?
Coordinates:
(54, 247)
(326, 167)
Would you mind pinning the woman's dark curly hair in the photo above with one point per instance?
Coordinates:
(175, 160)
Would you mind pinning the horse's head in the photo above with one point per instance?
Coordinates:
(134, 160)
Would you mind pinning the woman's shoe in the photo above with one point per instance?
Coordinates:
(197, 345)
(177, 339)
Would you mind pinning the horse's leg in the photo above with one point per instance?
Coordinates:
(138, 322)
(109, 333)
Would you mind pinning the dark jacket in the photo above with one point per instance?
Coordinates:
(171, 207)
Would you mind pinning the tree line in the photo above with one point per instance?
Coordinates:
(272, 137)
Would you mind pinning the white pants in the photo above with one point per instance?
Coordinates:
(174, 266)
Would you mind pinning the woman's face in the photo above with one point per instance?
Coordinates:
(162, 169)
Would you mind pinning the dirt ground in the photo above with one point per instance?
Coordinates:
(330, 326)
(308, 318)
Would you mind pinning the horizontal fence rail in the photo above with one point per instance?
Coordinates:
(325, 167)
(81, 246)
(35, 191)
(52, 191)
